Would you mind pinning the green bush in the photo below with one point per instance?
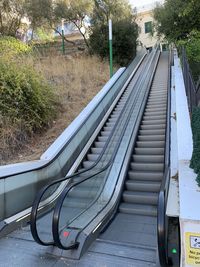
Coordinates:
(125, 34)
(25, 97)
(195, 161)
(11, 47)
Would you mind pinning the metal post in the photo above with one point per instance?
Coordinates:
(63, 35)
(110, 48)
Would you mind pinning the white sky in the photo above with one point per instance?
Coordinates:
(136, 3)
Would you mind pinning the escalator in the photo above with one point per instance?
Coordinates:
(133, 232)
(109, 205)
(96, 157)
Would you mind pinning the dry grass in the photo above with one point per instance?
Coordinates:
(76, 80)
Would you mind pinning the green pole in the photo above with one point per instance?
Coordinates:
(63, 39)
(110, 48)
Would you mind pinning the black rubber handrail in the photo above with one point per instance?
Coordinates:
(37, 201)
(163, 194)
(58, 207)
(61, 150)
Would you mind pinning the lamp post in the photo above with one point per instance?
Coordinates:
(63, 34)
(110, 48)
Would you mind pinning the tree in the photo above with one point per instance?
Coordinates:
(75, 12)
(176, 19)
(116, 10)
(39, 12)
(11, 13)
(125, 30)
(125, 33)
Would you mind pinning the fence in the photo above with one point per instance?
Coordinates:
(55, 48)
(192, 90)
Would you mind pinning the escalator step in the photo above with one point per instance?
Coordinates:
(96, 150)
(148, 210)
(87, 164)
(105, 133)
(153, 144)
(153, 127)
(138, 197)
(92, 157)
(148, 186)
(149, 151)
(148, 167)
(148, 158)
(99, 144)
(142, 175)
(152, 122)
(152, 132)
(151, 138)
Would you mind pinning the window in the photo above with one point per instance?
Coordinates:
(148, 27)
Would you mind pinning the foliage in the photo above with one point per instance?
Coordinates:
(125, 34)
(176, 19)
(25, 97)
(11, 47)
(11, 13)
(75, 12)
(192, 45)
(116, 10)
(195, 162)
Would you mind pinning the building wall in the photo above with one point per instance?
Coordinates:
(145, 38)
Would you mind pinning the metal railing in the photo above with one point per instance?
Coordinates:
(192, 91)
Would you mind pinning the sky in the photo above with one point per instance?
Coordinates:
(136, 3)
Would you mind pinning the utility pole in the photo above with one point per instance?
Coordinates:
(110, 48)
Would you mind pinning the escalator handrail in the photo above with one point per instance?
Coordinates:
(163, 194)
(57, 209)
(37, 201)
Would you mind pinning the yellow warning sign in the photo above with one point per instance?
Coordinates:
(192, 248)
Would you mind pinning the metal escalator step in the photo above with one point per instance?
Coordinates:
(110, 124)
(113, 120)
(153, 126)
(148, 158)
(156, 105)
(152, 111)
(158, 93)
(153, 144)
(92, 157)
(148, 167)
(154, 117)
(96, 150)
(107, 128)
(148, 210)
(149, 151)
(145, 186)
(99, 144)
(152, 122)
(137, 197)
(87, 164)
(102, 138)
(145, 176)
(151, 137)
(152, 132)
(105, 133)
(151, 102)
(156, 98)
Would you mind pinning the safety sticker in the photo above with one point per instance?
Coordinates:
(192, 241)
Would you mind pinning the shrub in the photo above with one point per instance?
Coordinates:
(11, 47)
(27, 105)
(195, 161)
(125, 34)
